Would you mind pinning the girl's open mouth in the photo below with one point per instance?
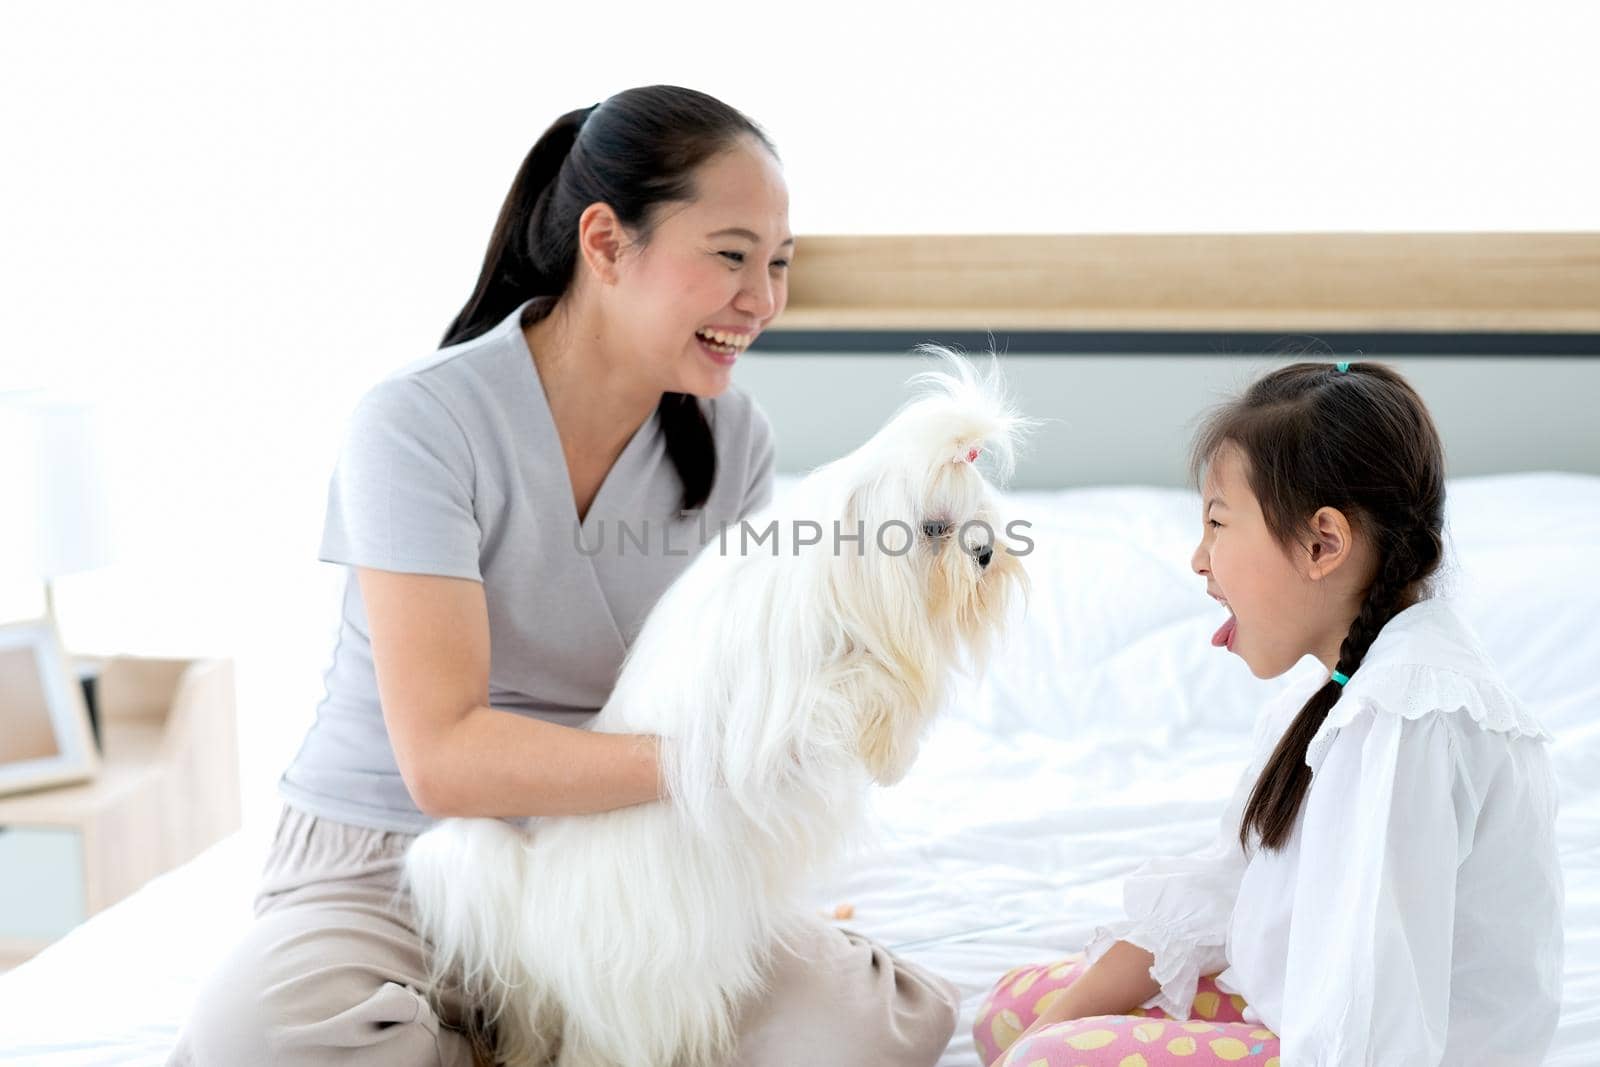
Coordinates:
(1223, 638)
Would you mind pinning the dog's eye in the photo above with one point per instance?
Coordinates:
(935, 528)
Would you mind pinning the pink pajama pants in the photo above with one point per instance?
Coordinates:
(1216, 1033)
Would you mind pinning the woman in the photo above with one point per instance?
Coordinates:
(643, 246)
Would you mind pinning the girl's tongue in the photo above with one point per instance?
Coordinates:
(1224, 635)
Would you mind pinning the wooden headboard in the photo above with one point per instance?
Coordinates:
(1122, 342)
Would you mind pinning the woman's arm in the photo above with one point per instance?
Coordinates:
(461, 757)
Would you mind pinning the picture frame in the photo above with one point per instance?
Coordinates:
(45, 734)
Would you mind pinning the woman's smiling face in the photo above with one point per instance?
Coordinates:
(713, 273)
(1279, 612)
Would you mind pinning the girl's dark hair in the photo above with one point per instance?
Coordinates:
(636, 152)
(1359, 440)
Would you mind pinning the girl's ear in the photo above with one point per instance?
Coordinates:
(1328, 543)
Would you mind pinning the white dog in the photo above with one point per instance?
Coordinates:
(781, 676)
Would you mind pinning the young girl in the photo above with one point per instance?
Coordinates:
(1385, 886)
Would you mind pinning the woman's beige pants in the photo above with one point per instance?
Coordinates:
(332, 973)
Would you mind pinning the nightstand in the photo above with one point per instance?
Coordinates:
(168, 786)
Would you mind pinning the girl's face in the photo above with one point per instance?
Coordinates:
(711, 277)
(1282, 606)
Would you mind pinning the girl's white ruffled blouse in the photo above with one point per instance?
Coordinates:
(1414, 916)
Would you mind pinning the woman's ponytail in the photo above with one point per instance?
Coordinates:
(523, 261)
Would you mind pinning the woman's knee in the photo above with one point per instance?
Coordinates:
(237, 1006)
(838, 998)
(934, 1022)
(902, 1015)
(289, 993)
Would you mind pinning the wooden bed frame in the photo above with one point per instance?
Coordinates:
(1122, 341)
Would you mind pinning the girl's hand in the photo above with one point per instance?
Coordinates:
(1055, 1013)
(1114, 985)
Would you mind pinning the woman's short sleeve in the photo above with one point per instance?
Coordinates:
(401, 496)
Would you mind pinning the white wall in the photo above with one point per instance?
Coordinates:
(226, 220)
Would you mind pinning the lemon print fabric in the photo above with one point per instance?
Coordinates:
(1087, 1039)
(1214, 1033)
(1005, 1028)
(1124, 1041)
(1128, 1041)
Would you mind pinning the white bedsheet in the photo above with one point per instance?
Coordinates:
(1108, 731)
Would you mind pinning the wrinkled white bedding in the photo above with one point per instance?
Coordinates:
(1107, 731)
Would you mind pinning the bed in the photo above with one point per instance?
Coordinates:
(1107, 731)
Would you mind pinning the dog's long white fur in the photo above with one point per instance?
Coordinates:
(781, 683)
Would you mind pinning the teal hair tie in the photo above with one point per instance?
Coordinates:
(1341, 367)
(1340, 677)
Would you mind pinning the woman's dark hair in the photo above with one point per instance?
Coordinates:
(1359, 440)
(635, 152)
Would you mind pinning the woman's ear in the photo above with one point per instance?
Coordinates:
(1329, 543)
(601, 240)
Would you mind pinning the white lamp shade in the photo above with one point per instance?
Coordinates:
(52, 493)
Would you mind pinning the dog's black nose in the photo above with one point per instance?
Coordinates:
(983, 555)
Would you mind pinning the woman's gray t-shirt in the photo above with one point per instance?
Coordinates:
(452, 466)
